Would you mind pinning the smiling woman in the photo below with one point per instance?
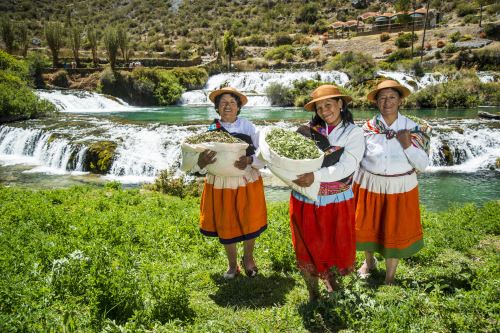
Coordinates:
(386, 187)
(233, 208)
(323, 232)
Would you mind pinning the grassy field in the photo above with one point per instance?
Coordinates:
(87, 259)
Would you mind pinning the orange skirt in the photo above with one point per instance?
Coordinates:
(387, 214)
(233, 208)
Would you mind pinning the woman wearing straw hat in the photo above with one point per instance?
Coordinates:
(233, 208)
(386, 188)
(323, 233)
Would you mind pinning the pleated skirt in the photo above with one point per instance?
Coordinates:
(387, 214)
(323, 233)
(233, 208)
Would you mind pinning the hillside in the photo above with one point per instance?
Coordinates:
(160, 28)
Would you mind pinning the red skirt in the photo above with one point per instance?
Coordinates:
(323, 233)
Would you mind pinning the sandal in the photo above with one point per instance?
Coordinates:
(250, 272)
(231, 275)
(365, 275)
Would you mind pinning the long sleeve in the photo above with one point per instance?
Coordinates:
(349, 161)
(257, 163)
(417, 157)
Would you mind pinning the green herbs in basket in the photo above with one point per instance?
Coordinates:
(213, 136)
(292, 144)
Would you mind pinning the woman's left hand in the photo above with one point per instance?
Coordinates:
(305, 179)
(404, 138)
(243, 162)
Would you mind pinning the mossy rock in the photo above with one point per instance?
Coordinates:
(100, 156)
(456, 129)
(446, 154)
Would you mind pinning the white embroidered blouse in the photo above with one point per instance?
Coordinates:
(387, 157)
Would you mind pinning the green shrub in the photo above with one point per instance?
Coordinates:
(486, 59)
(384, 37)
(460, 93)
(321, 26)
(305, 52)
(450, 48)
(455, 37)
(359, 66)
(191, 77)
(399, 55)
(168, 90)
(253, 40)
(492, 30)
(279, 95)
(17, 100)
(37, 61)
(490, 93)
(282, 39)
(308, 13)
(405, 39)
(471, 18)
(168, 183)
(464, 9)
(280, 53)
(17, 67)
(147, 86)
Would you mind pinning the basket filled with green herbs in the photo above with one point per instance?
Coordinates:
(289, 154)
(228, 148)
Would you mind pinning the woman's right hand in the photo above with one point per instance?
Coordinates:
(206, 157)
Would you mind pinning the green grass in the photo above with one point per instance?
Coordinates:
(86, 259)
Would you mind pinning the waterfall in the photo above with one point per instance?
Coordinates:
(254, 84)
(466, 146)
(37, 147)
(144, 150)
(415, 83)
(83, 101)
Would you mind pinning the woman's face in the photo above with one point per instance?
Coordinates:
(228, 108)
(329, 110)
(388, 102)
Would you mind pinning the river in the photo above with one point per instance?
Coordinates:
(48, 153)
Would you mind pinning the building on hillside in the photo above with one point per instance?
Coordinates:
(394, 22)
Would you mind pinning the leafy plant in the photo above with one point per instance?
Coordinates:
(54, 34)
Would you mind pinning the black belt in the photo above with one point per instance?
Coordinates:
(397, 175)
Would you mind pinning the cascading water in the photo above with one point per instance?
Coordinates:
(144, 150)
(38, 147)
(254, 84)
(415, 83)
(467, 146)
(83, 101)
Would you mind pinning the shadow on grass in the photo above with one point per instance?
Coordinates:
(258, 292)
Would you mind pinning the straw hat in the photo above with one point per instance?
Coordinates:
(387, 84)
(228, 90)
(324, 92)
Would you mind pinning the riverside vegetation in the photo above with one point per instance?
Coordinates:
(105, 259)
(17, 99)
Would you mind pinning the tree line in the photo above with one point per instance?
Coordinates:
(57, 35)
